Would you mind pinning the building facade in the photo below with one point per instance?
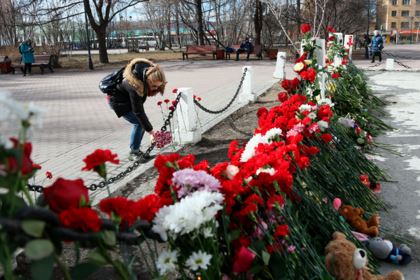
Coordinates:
(399, 18)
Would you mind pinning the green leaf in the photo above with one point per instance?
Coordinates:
(84, 270)
(109, 238)
(97, 258)
(33, 228)
(39, 249)
(234, 235)
(42, 269)
(266, 257)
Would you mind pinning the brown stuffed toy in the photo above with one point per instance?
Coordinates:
(354, 216)
(346, 262)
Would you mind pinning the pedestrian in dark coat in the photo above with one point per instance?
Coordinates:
(377, 46)
(142, 78)
(27, 52)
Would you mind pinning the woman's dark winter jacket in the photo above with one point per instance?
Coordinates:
(132, 93)
(377, 44)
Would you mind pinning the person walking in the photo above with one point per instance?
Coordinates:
(377, 46)
(27, 52)
(246, 47)
(141, 79)
(366, 43)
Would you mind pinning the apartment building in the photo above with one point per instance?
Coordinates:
(400, 17)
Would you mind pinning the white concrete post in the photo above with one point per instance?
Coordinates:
(320, 55)
(187, 118)
(389, 64)
(247, 94)
(339, 37)
(280, 72)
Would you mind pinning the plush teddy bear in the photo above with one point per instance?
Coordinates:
(344, 261)
(384, 249)
(354, 216)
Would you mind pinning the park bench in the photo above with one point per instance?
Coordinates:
(5, 66)
(41, 60)
(201, 50)
(257, 51)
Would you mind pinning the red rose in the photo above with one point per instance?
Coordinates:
(120, 206)
(243, 260)
(174, 90)
(97, 159)
(306, 27)
(66, 194)
(282, 230)
(48, 174)
(326, 137)
(331, 29)
(84, 219)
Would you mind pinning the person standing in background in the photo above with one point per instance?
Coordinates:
(27, 52)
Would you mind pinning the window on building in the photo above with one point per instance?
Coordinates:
(405, 25)
(394, 13)
(417, 25)
(393, 25)
(406, 2)
(394, 2)
(417, 13)
(405, 13)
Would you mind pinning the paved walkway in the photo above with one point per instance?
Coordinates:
(78, 119)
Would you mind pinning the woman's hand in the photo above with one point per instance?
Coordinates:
(152, 136)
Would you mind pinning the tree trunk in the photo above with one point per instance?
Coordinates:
(198, 4)
(298, 18)
(177, 25)
(168, 28)
(258, 21)
(103, 53)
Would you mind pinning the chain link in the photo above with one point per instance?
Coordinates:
(398, 56)
(137, 163)
(231, 101)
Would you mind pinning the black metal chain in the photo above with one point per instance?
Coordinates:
(398, 62)
(137, 163)
(228, 105)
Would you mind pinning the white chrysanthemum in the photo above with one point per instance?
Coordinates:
(312, 115)
(249, 150)
(188, 214)
(11, 109)
(166, 262)
(298, 67)
(323, 125)
(198, 260)
(309, 92)
(326, 101)
(270, 171)
(208, 232)
(272, 134)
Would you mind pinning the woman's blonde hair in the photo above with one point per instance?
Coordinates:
(155, 74)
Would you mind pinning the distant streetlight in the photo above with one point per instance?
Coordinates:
(88, 42)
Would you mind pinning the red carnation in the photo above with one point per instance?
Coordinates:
(274, 200)
(171, 108)
(335, 75)
(159, 103)
(120, 206)
(66, 194)
(282, 96)
(262, 111)
(326, 137)
(148, 206)
(26, 164)
(97, 159)
(282, 230)
(331, 29)
(48, 174)
(166, 101)
(308, 75)
(306, 27)
(174, 102)
(36, 166)
(84, 219)
(174, 90)
(243, 260)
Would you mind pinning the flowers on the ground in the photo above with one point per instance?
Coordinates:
(198, 260)
(162, 138)
(97, 160)
(85, 219)
(66, 194)
(122, 207)
(48, 174)
(166, 262)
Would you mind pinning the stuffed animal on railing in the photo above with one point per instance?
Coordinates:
(345, 261)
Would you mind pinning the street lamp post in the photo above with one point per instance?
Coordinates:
(88, 42)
